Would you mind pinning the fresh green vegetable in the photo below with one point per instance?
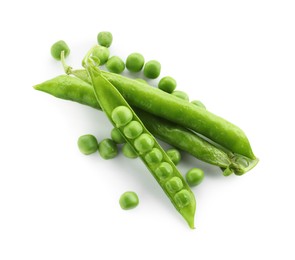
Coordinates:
(117, 137)
(152, 69)
(105, 39)
(115, 64)
(141, 80)
(128, 200)
(167, 84)
(57, 48)
(180, 94)
(128, 151)
(112, 104)
(174, 184)
(102, 53)
(174, 155)
(194, 176)
(107, 149)
(134, 62)
(87, 144)
(74, 89)
(198, 103)
(133, 130)
(155, 156)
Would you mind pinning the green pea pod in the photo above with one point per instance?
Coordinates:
(164, 105)
(74, 89)
(113, 104)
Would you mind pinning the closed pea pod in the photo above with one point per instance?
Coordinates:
(110, 100)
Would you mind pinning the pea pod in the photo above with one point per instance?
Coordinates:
(74, 89)
(120, 114)
(188, 115)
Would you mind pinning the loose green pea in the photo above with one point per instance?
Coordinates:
(174, 184)
(117, 136)
(128, 200)
(167, 84)
(57, 48)
(198, 103)
(180, 94)
(152, 69)
(102, 53)
(121, 115)
(133, 130)
(134, 62)
(144, 143)
(87, 144)
(128, 151)
(164, 171)
(174, 155)
(105, 39)
(115, 64)
(154, 156)
(107, 149)
(182, 198)
(194, 176)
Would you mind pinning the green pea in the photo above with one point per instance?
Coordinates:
(164, 171)
(132, 130)
(198, 103)
(117, 136)
(154, 156)
(174, 155)
(102, 53)
(107, 149)
(174, 184)
(121, 115)
(115, 64)
(128, 200)
(152, 69)
(144, 143)
(194, 176)
(134, 62)
(167, 84)
(57, 48)
(128, 151)
(87, 144)
(180, 94)
(182, 198)
(105, 39)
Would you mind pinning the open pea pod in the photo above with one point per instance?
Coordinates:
(150, 152)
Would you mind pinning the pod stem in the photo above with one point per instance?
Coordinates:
(67, 68)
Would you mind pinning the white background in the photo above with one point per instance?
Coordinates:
(238, 57)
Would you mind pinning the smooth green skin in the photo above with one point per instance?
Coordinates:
(182, 198)
(105, 39)
(167, 84)
(144, 143)
(141, 80)
(107, 149)
(128, 200)
(198, 103)
(115, 64)
(132, 130)
(57, 48)
(121, 116)
(102, 53)
(174, 155)
(180, 94)
(194, 176)
(174, 184)
(164, 171)
(109, 99)
(155, 156)
(128, 151)
(152, 69)
(87, 144)
(135, 62)
(117, 137)
(77, 90)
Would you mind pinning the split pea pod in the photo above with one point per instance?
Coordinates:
(72, 88)
(167, 106)
(151, 153)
